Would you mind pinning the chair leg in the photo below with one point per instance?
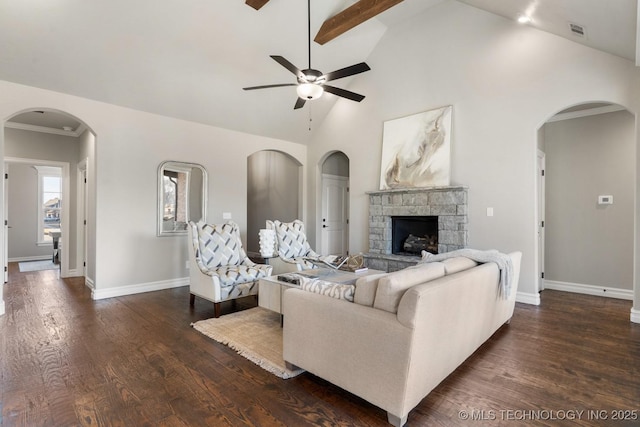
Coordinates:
(192, 299)
(216, 309)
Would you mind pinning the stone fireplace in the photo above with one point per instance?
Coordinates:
(448, 205)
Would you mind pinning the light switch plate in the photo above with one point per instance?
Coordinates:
(226, 215)
(605, 200)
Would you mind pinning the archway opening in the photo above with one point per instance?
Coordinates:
(333, 227)
(43, 137)
(274, 192)
(586, 200)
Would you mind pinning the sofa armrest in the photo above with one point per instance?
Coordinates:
(356, 347)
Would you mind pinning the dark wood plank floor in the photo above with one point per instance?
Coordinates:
(66, 360)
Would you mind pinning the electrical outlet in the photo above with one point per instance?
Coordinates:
(226, 215)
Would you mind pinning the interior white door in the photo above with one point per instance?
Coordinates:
(541, 218)
(335, 215)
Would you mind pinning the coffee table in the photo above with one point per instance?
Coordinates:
(271, 289)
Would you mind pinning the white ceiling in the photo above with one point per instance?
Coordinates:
(191, 59)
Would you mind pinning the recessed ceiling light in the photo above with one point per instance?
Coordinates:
(524, 19)
(67, 128)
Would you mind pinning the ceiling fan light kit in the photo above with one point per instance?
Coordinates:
(309, 91)
(312, 83)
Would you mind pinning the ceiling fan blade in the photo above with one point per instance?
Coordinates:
(268, 86)
(346, 72)
(343, 93)
(299, 103)
(288, 65)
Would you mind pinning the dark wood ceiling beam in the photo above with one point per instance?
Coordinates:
(256, 4)
(352, 17)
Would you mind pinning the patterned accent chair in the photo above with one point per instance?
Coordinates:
(293, 246)
(219, 267)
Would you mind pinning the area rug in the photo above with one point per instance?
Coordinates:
(37, 266)
(255, 334)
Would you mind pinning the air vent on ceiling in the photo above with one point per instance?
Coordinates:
(578, 30)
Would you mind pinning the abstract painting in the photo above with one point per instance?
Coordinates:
(416, 150)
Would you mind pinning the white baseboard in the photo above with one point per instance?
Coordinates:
(1, 308)
(29, 258)
(527, 298)
(119, 291)
(635, 315)
(73, 273)
(89, 283)
(578, 288)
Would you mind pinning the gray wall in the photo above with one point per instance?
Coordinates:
(273, 192)
(23, 215)
(587, 243)
(46, 147)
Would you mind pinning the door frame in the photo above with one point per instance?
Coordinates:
(64, 209)
(324, 244)
(81, 217)
(540, 215)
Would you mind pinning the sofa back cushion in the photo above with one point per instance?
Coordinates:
(392, 286)
(366, 288)
(457, 264)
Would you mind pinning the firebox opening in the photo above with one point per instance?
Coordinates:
(413, 234)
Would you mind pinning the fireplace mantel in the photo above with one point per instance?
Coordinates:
(449, 204)
(419, 190)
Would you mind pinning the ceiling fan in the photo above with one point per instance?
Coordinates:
(312, 83)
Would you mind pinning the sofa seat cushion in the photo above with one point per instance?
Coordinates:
(333, 290)
(366, 288)
(392, 287)
(231, 275)
(457, 264)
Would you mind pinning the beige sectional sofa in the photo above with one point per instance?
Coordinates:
(404, 333)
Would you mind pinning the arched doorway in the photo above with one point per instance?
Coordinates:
(39, 140)
(586, 200)
(274, 192)
(334, 206)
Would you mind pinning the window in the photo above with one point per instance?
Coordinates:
(49, 202)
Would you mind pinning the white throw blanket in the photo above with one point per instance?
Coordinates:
(504, 262)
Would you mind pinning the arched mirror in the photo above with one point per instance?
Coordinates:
(182, 196)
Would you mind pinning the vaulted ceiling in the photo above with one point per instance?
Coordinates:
(191, 59)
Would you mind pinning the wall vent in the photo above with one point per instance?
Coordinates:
(578, 30)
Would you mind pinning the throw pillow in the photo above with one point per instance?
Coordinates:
(333, 290)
